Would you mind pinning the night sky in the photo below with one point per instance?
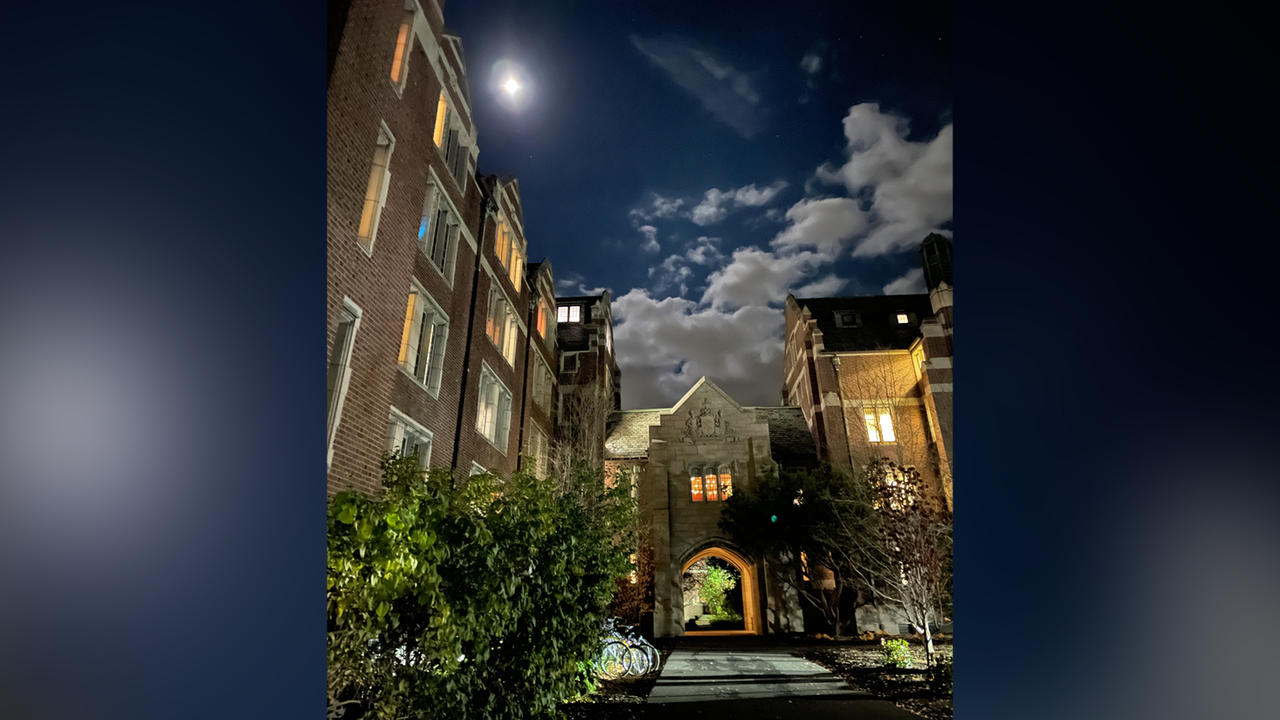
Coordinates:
(700, 160)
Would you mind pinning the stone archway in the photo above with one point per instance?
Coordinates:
(751, 617)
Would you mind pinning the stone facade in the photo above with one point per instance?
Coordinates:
(706, 433)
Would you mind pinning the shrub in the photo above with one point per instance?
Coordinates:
(717, 583)
(940, 675)
(477, 601)
(897, 653)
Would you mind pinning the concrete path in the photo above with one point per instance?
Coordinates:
(752, 678)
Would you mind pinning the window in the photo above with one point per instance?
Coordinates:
(695, 483)
(493, 416)
(539, 451)
(438, 231)
(542, 319)
(442, 116)
(903, 319)
(477, 469)
(423, 340)
(339, 375)
(404, 46)
(375, 195)
(507, 248)
(879, 422)
(709, 484)
(848, 319)
(407, 438)
(448, 136)
(502, 326)
(569, 313)
(543, 385)
(726, 484)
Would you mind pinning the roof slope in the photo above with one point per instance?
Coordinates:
(627, 434)
(877, 328)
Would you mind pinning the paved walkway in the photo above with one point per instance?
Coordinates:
(749, 677)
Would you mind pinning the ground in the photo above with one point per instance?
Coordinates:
(769, 678)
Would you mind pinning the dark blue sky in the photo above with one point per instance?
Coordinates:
(695, 159)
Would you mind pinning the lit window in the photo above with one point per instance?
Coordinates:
(879, 422)
(406, 438)
(404, 44)
(493, 415)
(423, 340)
(711, 485)
(726, 485)
(501, 326)
(442, 117)
(569, 313)
(339, 376)
(902, 319)
(695, 487)
(375, 195)
(542, 320)
(502, 246)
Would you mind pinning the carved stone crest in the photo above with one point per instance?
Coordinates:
(706, 423)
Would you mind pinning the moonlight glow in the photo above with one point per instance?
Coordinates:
(511, 84)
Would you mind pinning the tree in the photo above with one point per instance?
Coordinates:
(818, 521)
(906, 557)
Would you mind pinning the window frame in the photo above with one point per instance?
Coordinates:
(380, 202)
(880, 411)
(401, 59)
(433, 374)
(337, 400)
(408, 425)
(501, 425)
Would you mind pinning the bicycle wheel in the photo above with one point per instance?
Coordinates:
(637, 661)
(615, 661)
(652, 656)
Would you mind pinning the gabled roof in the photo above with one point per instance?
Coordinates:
(790, 444)
(703, 381)
(877, 327)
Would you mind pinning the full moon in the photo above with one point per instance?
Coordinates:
(511, 86)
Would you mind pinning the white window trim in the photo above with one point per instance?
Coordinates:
(345, 382)
(399, 416)
(417, 288)
(411, 9)
(463, 231)
(477, 469)
(382, 195)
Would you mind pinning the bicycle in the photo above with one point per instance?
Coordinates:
(638, 656)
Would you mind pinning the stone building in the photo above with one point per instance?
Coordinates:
(589, 379)
(872, 375)
(686, 460)
(441, 340)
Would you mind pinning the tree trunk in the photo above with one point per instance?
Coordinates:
(928, 643)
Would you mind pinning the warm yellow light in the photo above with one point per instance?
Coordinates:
(512, 86)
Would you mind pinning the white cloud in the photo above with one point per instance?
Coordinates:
(757, 277)
(910, 283)
(650, 239)
(665, 345)
(825, 224)
(717, 203)
(674, 272)
(909, 182)
(725, 92)
(704, 251)
(826, 287)
(659, 207)
(811, 63)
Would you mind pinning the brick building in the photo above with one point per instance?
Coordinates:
(872, 375)
(441, 341)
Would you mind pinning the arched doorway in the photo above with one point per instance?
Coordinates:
(749, 583)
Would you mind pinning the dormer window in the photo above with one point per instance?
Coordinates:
(903, 319)
(569, 313)
(847, 319)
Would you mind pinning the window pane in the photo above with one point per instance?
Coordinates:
(873, 430)
(886, 426)
(442, 110)
(712, 495)
(562, 314)
(695, 488)
(406, 335)
(726, 486)
(397, 64)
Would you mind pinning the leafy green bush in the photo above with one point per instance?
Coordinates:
(897, 653)
(714, 586)
(477, 601)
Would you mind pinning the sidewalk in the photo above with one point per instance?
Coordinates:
(750, 677)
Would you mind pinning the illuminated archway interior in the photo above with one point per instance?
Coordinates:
(749, 583)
